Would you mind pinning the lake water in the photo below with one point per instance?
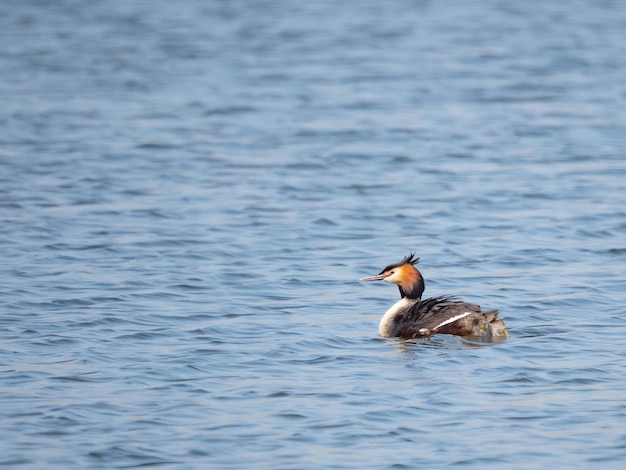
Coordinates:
(189, 191)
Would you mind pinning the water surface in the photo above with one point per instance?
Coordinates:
(189, 190)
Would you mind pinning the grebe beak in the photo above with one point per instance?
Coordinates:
(378, 277)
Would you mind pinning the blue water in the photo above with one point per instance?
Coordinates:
(189, 190)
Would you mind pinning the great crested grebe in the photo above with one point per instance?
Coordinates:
(412, 317)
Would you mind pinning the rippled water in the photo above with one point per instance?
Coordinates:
(189, 190)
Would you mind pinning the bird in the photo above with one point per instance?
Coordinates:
(411, 317)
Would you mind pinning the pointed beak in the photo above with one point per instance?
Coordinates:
(378, 277)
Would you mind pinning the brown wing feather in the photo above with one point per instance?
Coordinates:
(426, 318)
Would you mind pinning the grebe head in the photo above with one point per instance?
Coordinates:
(405, 275)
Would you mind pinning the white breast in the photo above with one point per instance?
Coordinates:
(388, 323)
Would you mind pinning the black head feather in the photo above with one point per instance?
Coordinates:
(409, 259)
